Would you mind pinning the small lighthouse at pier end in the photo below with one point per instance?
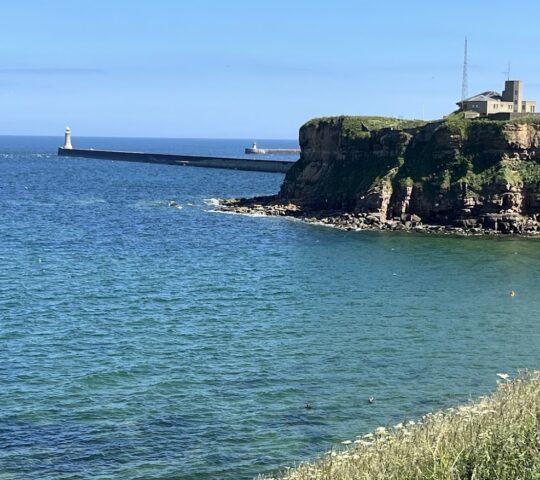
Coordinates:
(67, 139)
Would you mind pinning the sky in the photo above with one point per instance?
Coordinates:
(250, 69)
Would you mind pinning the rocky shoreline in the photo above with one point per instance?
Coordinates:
(452, 176)
(503, 224)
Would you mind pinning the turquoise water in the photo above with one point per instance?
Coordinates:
(142, 341)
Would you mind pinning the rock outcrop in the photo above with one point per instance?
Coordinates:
(475, 175)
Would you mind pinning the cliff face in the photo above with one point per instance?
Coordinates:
(469, 173)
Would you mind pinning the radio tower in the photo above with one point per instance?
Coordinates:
(465, 81)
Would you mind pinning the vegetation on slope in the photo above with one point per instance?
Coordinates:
(496, 437)
(357, 170)
(353, 158)
(475, 162)
(458, 124)
(354, 127)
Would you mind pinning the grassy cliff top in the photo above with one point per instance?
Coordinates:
(357, 125)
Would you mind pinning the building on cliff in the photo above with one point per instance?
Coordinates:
(500, 106)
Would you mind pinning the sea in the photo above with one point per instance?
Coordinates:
(140, 340)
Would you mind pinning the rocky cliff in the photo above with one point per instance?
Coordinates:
(472, 174)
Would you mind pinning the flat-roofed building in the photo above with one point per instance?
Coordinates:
(491, 103)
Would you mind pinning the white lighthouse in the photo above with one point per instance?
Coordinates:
(67, 139)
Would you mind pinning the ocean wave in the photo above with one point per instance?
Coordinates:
(212, 202)
(143, 204)
(227, 212)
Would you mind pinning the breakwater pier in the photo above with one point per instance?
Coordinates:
(257, 165)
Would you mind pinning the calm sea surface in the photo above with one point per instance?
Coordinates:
(141, 341)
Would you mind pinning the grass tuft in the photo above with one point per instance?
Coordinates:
(495, 437)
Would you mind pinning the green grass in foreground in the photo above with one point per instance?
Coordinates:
(494, 438)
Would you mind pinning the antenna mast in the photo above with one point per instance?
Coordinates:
(465, 81)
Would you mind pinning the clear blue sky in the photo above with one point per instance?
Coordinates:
(250, 69)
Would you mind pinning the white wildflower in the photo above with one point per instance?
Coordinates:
(484, 412)
(363, 443)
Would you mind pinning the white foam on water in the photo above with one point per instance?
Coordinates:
(228, 212)
(212, 202)
(254, 215)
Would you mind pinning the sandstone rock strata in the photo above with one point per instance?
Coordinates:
(452, 175)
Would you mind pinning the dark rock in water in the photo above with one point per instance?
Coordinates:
(467, 222)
